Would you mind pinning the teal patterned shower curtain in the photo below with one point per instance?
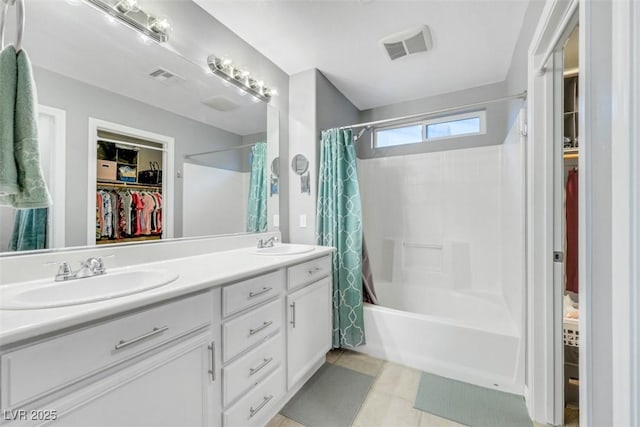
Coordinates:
(257, 204)
(339, 224)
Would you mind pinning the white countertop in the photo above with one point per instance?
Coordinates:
(196, 273)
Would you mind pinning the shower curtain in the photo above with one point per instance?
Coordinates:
(257, 204)
(29, 230)
(339, 224)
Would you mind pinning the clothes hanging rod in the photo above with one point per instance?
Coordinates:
(189, 156)
(431, 113)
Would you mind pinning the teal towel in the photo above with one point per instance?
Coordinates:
(8, 78)
(29, 230)
(33, 189)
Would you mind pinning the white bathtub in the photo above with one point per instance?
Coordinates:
(460, 335)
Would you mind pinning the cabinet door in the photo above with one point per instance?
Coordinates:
(308, 328)
(172, 388)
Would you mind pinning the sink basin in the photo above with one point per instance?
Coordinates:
(283, 250)
(49, 294)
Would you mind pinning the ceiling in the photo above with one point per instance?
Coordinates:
(78, 42)
(473, 42)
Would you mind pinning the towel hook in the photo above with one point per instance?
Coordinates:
(19, 20)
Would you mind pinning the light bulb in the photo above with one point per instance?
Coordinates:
(274, 92)
(226, 62)
(126, 6)
(260, 83)
(160, 24)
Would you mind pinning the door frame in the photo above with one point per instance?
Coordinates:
(56, 226)
(544, 390)
(168, 157)
(625, 174)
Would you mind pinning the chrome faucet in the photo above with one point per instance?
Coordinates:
(91, 267)
(267, 243)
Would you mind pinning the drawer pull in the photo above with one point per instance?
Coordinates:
(260, 366)
(126, 343)
(314, 270)
(257, 293)
(266, 400)
(293, 315)
(259, 328)
(212, 347)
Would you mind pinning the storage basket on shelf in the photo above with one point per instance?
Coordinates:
(571, 332)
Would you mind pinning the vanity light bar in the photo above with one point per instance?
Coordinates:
(155, 28)
(225, 69)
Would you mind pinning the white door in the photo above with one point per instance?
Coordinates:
(52, 141)
(173, 388)
(308, 328)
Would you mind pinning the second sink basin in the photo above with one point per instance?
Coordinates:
(49, 294)
(284, 249)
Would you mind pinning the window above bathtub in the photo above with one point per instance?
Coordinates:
(446, 127)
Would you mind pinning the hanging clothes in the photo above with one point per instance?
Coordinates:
(126, 214)
(257, 204)
(339, 224)
(571, 213)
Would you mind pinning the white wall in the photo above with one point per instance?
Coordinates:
(211, 201)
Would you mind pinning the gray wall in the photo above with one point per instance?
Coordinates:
(81, 101)
(316, 105)
(497, 118)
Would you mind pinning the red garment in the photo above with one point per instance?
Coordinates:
(571, 212)
(138, 205)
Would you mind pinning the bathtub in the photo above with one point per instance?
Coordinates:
(466, 336)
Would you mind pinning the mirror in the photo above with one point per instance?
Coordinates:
(140, 142)
(300, 164)
(275, 167)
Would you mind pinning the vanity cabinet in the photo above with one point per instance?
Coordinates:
(156, 367)
(171, 388)
(309, 317)
(253, 349)
(229, 356)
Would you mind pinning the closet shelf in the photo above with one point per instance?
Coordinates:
(129, 239)
(571, 153)
(120, 184)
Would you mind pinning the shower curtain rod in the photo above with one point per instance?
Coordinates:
(189, 156)
(431, 113)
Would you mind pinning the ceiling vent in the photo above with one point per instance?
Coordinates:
(163, 75)
(410, 42)
(220, 103)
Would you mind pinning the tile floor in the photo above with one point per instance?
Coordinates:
(390, 400)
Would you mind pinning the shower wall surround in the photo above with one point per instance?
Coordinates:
(450, 219)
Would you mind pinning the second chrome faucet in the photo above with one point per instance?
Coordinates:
(91, 267)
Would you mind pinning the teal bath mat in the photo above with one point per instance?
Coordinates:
(331, 398)
(470, 404)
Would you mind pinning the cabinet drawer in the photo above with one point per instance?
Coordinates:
(251, 368)
(239, 296)
(307, 272)
(257, 404)
(249, 329)
(30, 372)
